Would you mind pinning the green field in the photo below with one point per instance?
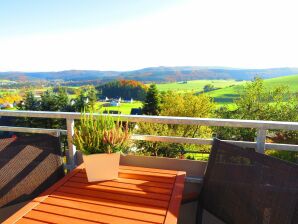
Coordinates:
(8, 91)
(125, 108)
(196, 85)
(229, 94)
(5, 80)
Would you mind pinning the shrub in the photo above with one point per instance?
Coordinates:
(101, 135)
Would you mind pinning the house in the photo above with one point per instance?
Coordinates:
(114, 103)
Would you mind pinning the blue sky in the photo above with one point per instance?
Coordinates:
(18, 17)
(52, 35)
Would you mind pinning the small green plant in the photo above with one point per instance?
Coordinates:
(101, 134)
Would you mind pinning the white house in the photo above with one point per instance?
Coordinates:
(114, 103)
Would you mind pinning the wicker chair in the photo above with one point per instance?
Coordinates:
(243, 186)
(28, 166)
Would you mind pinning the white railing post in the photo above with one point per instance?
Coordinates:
(261, 140)
(71, 148)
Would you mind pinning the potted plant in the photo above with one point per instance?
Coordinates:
(101, 139)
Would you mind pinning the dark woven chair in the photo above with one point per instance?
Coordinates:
(28, 166)
(243, 186)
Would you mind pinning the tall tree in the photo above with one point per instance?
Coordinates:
(151, 105)
(178, 104)
(81, 102)
(29, 102)
(92, 98)
(49, 101)
(62, 99)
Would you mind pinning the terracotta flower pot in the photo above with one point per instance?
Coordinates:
(101, 167)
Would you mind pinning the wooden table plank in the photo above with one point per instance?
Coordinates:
(113, 196)
(117, 190)
(29, 221)
(139, 196)
(151, 170)
(138, 175)
(105, 210)
(140, 186)
(88, 215)
(47, 217)
(100, 201)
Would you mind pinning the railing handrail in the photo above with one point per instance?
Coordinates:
(260, 126)
(217, 122)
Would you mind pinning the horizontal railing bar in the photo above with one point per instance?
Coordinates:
(200, 141)
(164, 119)
(31, 130)
(153, 138)
(242, 143)
(282, 147)
(186, 140)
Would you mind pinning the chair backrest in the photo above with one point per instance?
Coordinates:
(28, 166)
(242, 186)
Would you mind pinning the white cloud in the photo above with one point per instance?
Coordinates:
(237, 33)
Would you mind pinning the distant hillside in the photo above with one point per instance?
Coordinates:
(166, 74)
(154, 74)
(228, 94)
(196, 85)
(70, 75)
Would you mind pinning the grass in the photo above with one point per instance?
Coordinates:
(125, 108)
(229, 94)
(291, 81)
(226, 95)
(3, 91)
(197, 156)
(196, 85)
(5, 81)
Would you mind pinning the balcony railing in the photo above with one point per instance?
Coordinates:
(261, 126)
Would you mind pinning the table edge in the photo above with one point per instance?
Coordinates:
(176, 198)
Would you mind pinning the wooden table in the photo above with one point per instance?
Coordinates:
(140, 195)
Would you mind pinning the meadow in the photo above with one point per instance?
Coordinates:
(124, 108)
(196, 85)
(229, 94)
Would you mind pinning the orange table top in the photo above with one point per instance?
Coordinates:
(140, 195)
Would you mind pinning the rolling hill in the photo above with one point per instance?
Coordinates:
(154, 74)
(196, 85)
(228, 94)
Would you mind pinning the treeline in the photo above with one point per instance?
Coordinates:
(256, 102)
(126, 89)
(57, 100)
